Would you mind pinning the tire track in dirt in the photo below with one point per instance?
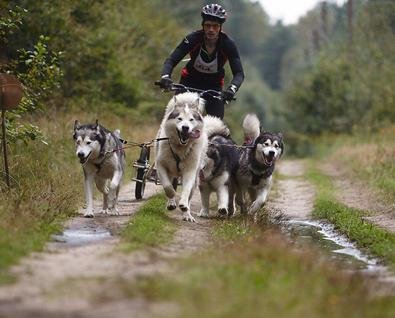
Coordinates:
(293, 196)
(358, 195)
(91, 280)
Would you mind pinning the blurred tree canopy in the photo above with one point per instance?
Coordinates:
(307, 78)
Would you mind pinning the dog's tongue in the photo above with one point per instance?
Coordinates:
(194, 133)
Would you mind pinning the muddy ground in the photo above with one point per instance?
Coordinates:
(86, 278)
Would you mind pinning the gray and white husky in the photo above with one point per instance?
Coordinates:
(103, 161)
(181, 155)
(219, 165)
(256, 164)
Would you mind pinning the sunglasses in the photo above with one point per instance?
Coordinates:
(215, 26)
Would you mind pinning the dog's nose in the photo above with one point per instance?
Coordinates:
(80, 155)
(271, 153)
(185, 129)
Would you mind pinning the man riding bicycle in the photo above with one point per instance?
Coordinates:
(209, 49)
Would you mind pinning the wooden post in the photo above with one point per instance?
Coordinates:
(4, 141)
(10, 95)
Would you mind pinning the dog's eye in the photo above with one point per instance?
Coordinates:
(179, 118)
(88, 142)
(276, 146)
(191, 119)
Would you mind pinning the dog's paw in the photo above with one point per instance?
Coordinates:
(183, 206)
(104, 211)
(255, 206)
(88, 214)
(171, 204)
(115, 211)
(188, 217)
(203, 213)
(223, 211)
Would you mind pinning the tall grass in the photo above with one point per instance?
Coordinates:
(368, 155)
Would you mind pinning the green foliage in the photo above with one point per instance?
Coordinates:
(38, 71)
(346, 85)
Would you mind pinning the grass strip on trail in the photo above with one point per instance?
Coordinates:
(149, 227)
(254, 272)
(350, 221)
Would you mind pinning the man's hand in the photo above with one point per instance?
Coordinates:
(165, 82)
(229, 93)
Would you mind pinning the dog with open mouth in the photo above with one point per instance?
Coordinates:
(103, 162)
(256, 164)
(181, 154)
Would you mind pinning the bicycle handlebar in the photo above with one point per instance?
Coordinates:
(180, 87)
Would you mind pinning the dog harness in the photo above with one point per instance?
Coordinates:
(176, 158)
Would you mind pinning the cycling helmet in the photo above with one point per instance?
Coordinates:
(214, 12)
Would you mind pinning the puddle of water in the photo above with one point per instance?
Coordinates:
(336, 245)
(81, 236)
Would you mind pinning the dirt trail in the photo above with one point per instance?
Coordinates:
(92, 280)
(88, 280)
(293, 196)
(356, 194)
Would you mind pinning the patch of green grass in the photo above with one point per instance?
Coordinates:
(259, 275)
(349, 220)
(149, 227)
(231, 229)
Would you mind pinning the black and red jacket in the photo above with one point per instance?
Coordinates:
(203, 74)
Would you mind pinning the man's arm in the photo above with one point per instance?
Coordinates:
(235, 64)
(181, 50)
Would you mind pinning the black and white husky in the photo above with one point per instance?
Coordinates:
(218, 167)
(181, 155)
(103, 161)
(256, 164)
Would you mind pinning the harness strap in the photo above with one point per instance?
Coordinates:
(176, 158)
(256, 178)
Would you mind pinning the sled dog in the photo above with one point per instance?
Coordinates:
(256, 164)
(103, 162)
(219, 165)
(181, 155)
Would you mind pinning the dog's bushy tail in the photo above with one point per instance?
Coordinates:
(251, 128)
(215, 126)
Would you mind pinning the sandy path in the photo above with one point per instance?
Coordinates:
(89, 280)
(356, 194)
(293, 195)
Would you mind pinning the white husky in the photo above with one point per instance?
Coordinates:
(103, 161)
(181, 155)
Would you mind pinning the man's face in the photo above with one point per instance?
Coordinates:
(211, 29)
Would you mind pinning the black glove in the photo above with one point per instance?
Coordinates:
(165, 82)
(229, 93)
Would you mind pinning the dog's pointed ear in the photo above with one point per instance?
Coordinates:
(281, 136)
(77, 125)
(175, 99)
(97, 127)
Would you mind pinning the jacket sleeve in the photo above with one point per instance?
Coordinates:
(175, 57)
(235, 63)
